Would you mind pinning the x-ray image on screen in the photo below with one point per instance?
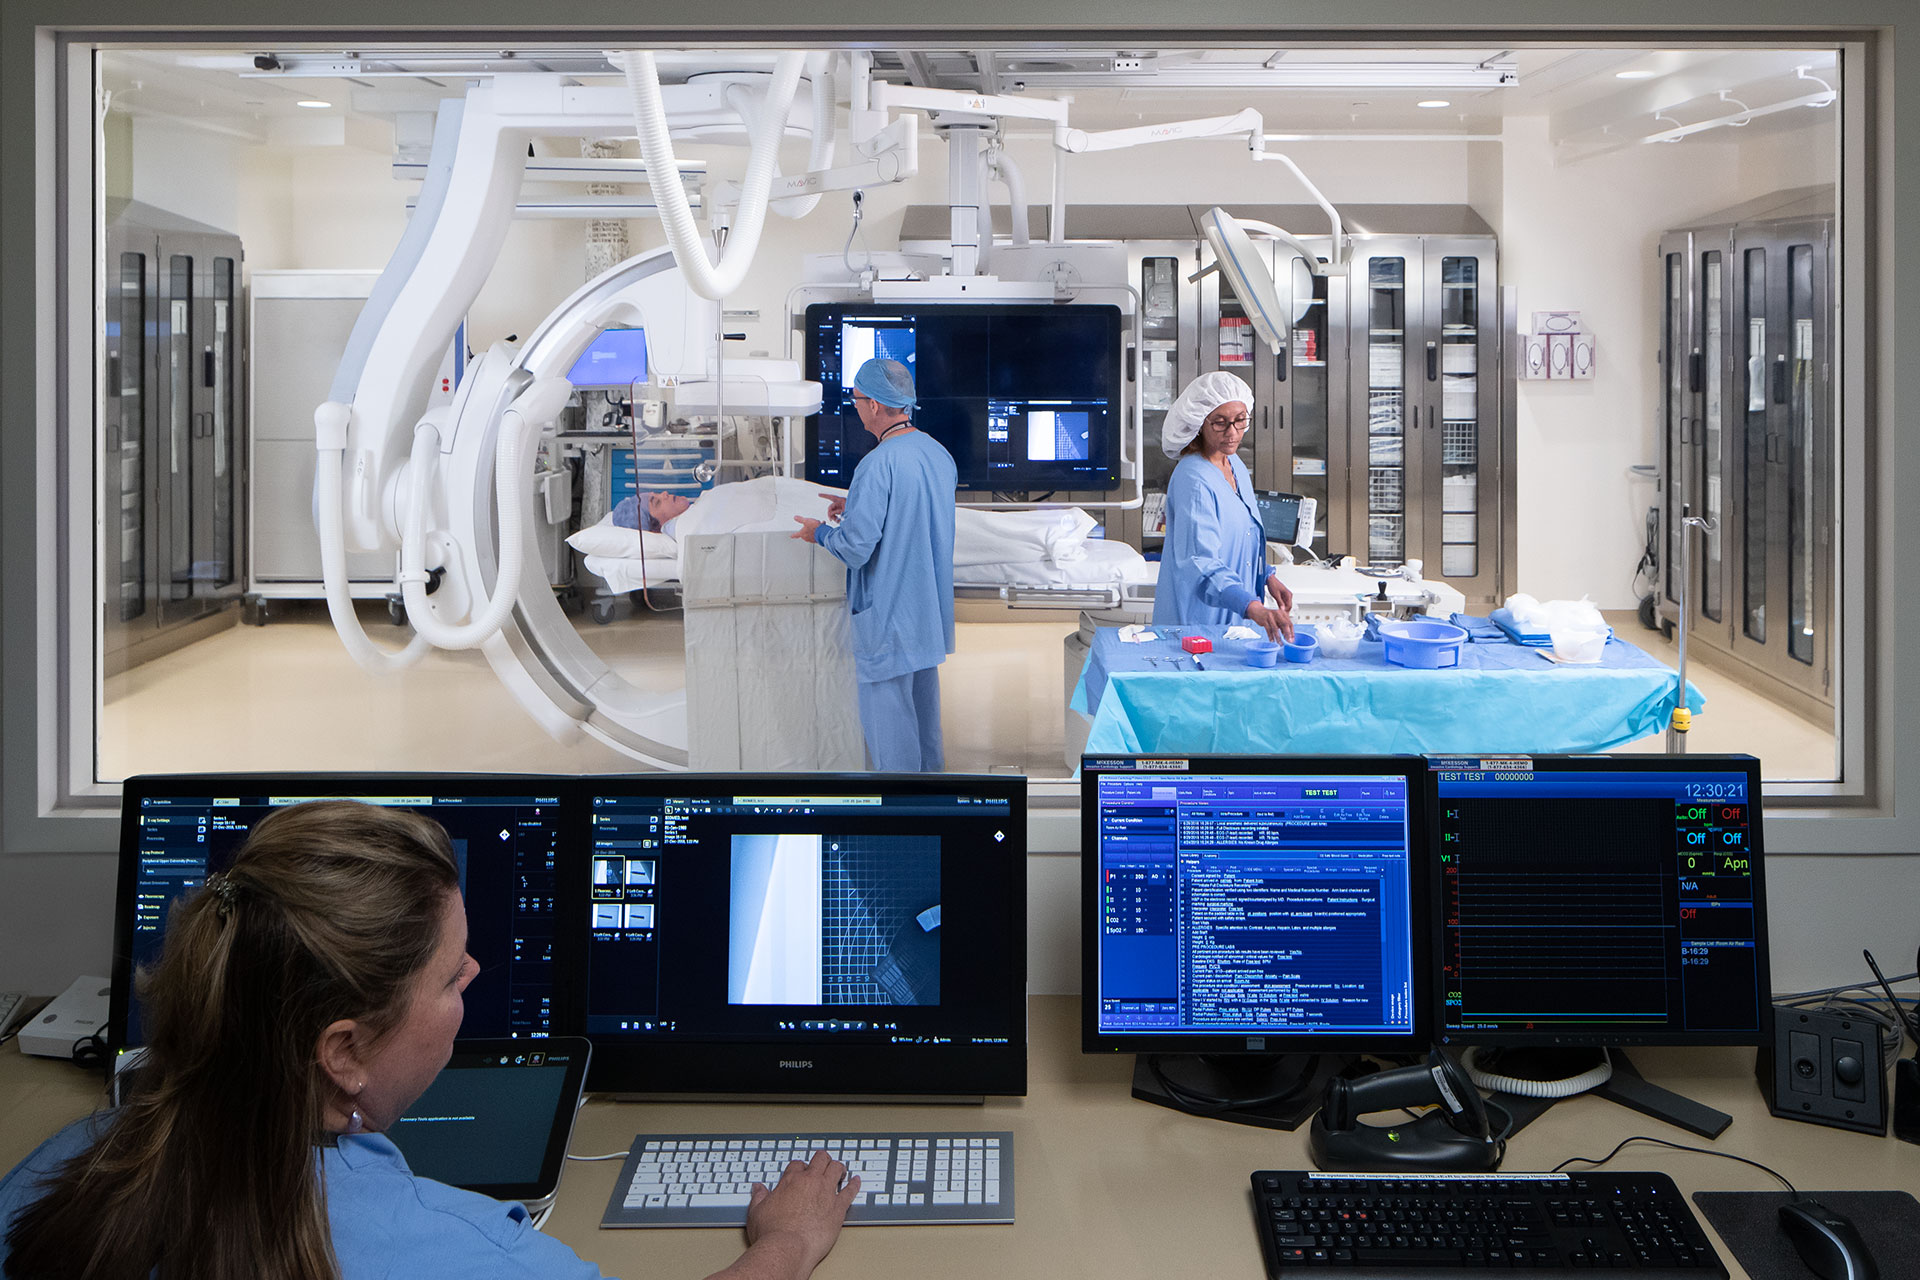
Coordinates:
(860, 343)
(834, 920)
(1054, 436)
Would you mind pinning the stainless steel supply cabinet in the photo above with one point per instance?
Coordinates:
(1746, 438)
(173, 429)
(300, 322)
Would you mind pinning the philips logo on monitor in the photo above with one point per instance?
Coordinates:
(796, 1064)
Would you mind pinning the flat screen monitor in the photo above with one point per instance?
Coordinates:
(1599, 900)
(617, 358)
(1025, 396)
(1253, 904)
(509, 834)
(851, 934)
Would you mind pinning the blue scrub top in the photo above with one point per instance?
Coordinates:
(384, 1221)
(896, 539)
(1213, 562)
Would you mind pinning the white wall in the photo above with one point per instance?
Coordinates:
(185, 170)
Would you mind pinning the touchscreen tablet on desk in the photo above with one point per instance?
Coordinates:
(497, 1120)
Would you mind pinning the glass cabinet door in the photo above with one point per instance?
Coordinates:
(216, 559)
(178, 575)
(1460, 415)
(1305, 369)
(126, 432)
(1713, 461)
(1803, 460)
(1385, 317)
(1755, 511)
(1675, 342)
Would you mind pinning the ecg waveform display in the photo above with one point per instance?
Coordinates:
(1255, 906)
(1596, 913)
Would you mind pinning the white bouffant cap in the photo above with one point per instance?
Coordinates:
(1203, 395)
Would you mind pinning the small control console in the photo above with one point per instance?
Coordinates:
(1825, 1068)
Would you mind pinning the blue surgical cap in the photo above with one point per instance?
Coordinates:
(886, 382)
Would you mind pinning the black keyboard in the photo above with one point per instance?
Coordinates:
(1526, 1224)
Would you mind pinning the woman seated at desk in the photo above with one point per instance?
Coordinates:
(1213, 564)
(305, 999)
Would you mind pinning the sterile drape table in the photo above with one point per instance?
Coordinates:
(1501, 697)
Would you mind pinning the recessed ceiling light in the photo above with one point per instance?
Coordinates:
(1634, 75)
(1431, 103)
(313, 103)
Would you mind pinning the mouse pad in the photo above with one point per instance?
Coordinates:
(1749, 1226)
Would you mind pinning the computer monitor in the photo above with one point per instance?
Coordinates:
(1599, 900)
(1250, 906)
(1025, 396)
(617, 358)
(509, 834)
(835, 935)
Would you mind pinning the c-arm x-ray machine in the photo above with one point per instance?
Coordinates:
(447, 489)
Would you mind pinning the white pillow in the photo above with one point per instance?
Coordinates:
(616, 543)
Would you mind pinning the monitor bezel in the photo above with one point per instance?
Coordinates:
(1114, 325)
(1095, 1041)
(311, 786)
(753, 1068)
(1673, 1038)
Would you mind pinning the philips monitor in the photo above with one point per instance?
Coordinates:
(1599, 901)
(617, 358)
(508, 833)
(1024, 396)
(1250, 905)
(833, 935)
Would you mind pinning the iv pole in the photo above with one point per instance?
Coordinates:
(1682, 718)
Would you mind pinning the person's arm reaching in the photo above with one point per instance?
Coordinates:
(791, 1228)
(853, 541)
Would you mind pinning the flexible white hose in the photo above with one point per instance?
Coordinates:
(1009, 174)
(820, 153)
(670, 194)
(330, 427)
(519, 426)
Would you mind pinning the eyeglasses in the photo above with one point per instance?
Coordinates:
(1238, 423)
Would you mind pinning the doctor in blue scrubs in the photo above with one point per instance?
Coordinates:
(1213, 564)
(896, 538)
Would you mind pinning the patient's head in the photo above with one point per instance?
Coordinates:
(662, 507)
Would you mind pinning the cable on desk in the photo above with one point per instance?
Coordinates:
(539, 1220)
(1662, 1142)
(611, 1155)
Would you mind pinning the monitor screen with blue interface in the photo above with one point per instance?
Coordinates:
(796, 933)
(1599, 900)
(1253, 904)
(508, 833)
(617, 358)
(1025, 396)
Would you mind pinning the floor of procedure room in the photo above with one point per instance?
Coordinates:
(287, 697)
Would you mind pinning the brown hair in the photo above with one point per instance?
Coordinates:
(328, 912)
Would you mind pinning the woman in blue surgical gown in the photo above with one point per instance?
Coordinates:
(1213, 563)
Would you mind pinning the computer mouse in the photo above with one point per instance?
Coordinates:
(1828, 1243)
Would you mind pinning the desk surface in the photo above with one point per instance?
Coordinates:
(1108, 1187)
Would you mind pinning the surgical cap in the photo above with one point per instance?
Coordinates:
(886, 382)
(1203, 395)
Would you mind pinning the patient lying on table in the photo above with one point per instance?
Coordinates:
(1052, 546)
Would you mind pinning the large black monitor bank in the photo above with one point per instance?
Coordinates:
(850, 934)
(1025, 396)
(1253, 905)
(509, 835)
(1599, 900)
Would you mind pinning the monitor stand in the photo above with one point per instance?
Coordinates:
(1627, 1087)
(1271, 1090)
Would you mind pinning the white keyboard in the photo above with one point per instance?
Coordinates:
(10, 1002)
(706, 1179)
